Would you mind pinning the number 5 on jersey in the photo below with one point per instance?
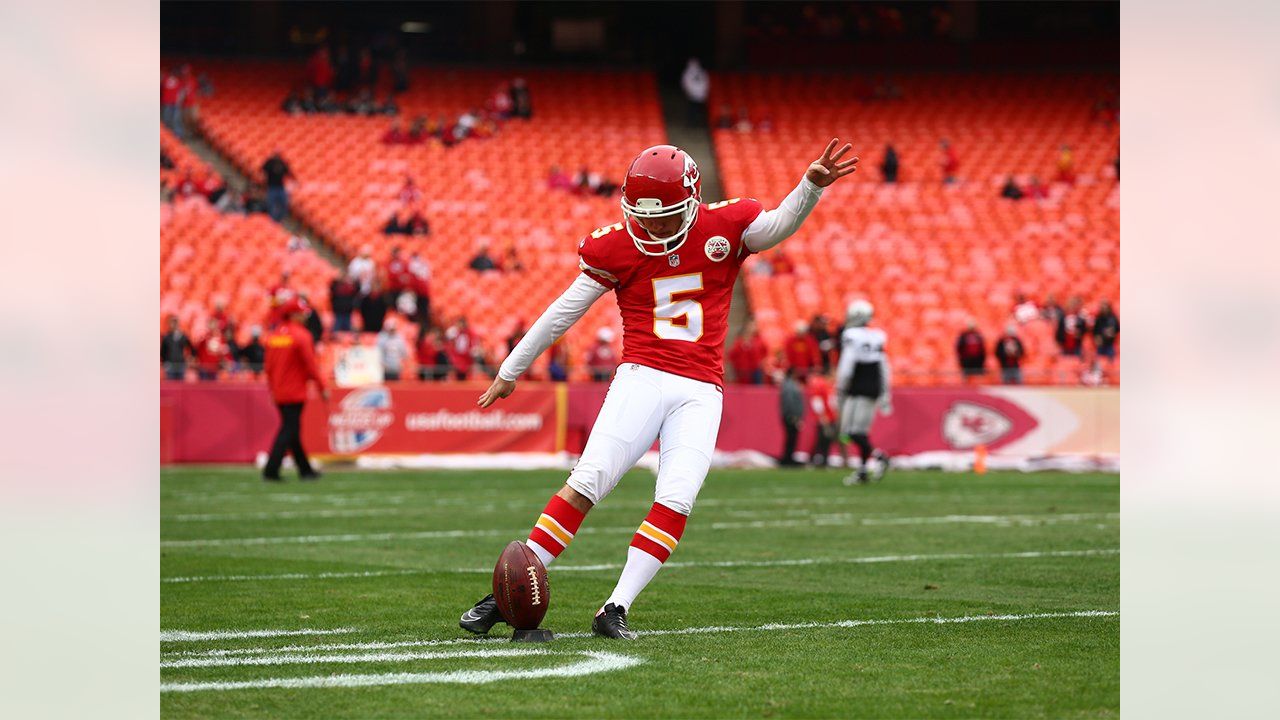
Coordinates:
(677, 319)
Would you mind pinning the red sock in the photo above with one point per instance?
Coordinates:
(660, 532)
(556, 526)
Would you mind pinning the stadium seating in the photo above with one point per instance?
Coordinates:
(929, 255)
(491, 190)
(185, 162)
(207, 256)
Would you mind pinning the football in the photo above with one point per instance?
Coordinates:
(520, 587)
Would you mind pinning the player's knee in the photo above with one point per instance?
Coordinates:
(586, 483)
(681, 502)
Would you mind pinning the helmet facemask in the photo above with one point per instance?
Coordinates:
(656, 246)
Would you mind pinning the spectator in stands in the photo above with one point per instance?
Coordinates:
(165, 162)
(212, 353)
(950, 163)
(251, 356)
(889, 165)
(211, 187)
(467, 122)
(388, 106)
(1066, 166)
(219, 315)
(482, 262)
(522, 105)
(511, 260)
(1009, 353)
(373, 307)
(602, 360)
(344, 294)
(190, 97)
(175, 349)
(362, 103)
(1072, 327)
(418, 132)
(433, 361)
(1051, 311)
(743, 123)
(400, 71)
(1011, 190)
(393, 350)
(558, 361)
(320, 72)
(312, 321)
(396, 135)
(397, 224)
(460, 344)
(765, 123)
(747, 357)
(362, 269)
(791, 401)
(233, 347)
(420, 270)
(231, 200)
(802, 352)
(398, 277)
(971, 351)
(409, 192)
(171, 88)
(782, 264)
(697, 84)
(367, 69)
(186, 186)
(255, 199)
(1036, 190)
(1024, 309)
(724, 119)
(592, 183)
(344, 71)
(558, 179)
(500, 104)
(1106, 330)
(276, 171)
(292, 104)
(828, 343)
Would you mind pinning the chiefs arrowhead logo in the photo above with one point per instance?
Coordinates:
(967, 425)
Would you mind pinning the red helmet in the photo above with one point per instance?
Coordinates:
(662, 181)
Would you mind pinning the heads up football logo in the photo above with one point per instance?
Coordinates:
(968, 425)
(360, 419)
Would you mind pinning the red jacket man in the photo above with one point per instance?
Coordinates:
(802, 351)
(747, 357)
(290, 364)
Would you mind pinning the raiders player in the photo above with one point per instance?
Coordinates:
(862, 385)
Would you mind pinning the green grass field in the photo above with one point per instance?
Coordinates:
(790, 596)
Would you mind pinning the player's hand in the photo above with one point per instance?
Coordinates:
(885, 405)
(499, 389)
(828, 168)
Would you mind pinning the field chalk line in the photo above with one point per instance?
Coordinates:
(595, 661)
(677, 564)
(201, 635)
(821, 520)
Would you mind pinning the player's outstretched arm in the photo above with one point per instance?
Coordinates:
(773, 226)
(558, 317)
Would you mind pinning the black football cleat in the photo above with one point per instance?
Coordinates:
(611, 622)
(882, 464)
(311, 476)
(272, 478)
(482, 617)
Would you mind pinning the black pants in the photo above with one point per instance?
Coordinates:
(822, 439)
(288, 439)
(792, 430)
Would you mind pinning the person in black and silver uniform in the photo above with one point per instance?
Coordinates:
(862, 385)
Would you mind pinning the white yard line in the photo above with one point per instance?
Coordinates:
(277, 658)
(198, 635)
(677, 564)
(594, 662)
(834, 519)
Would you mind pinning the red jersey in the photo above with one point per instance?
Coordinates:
(747, 357)
(212, 353)
(170, 89)
(818, 392)
(802, 352)
(290, 363)
(675, 307)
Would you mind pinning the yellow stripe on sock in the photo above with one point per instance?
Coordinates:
(657, 535)
(552, 528)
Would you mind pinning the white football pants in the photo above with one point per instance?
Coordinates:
(642, 405)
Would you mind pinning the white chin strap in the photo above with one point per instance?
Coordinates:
(656, 246)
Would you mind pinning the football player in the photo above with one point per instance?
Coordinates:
(672, 262)
(862, 383)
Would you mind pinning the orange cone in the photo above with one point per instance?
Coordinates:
(980, 460)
